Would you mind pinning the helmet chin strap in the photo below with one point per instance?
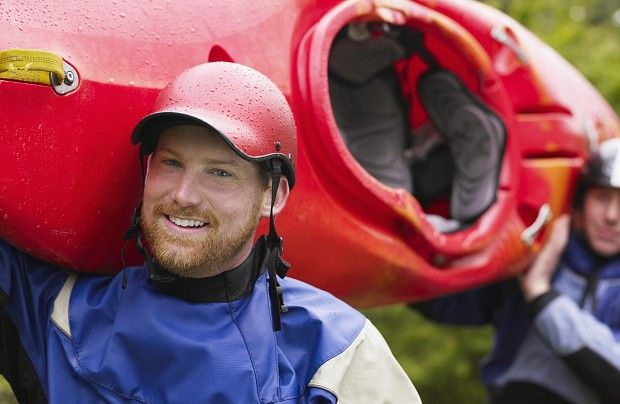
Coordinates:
(276, 265)
(135, 231)
(155, 272)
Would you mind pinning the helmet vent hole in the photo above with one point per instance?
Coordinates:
(219, 54)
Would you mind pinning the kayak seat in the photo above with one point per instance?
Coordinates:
(475, 137)
(369, 107)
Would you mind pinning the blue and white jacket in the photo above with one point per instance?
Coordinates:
(69, 338)
(566, 341)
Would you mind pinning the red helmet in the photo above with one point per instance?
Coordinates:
(243, 106)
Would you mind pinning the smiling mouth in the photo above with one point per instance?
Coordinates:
(187, 223)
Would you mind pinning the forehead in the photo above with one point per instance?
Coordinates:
(200, 144)
(197, 138)
(597, 189)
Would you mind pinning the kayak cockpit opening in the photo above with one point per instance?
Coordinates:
(451, 158)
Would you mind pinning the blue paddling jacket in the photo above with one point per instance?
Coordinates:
(85, 339)
(566, 343)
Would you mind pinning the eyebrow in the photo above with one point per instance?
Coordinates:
(223, 162)
(218, 161)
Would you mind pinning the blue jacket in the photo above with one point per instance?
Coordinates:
(566, 341)
(84, 339)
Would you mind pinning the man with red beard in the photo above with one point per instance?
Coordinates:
(210, 317)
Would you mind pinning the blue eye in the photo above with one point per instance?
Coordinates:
(171, 162)
(221, 173)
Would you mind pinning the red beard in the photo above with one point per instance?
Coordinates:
(205, 253)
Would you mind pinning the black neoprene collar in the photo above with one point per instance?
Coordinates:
(225, 287)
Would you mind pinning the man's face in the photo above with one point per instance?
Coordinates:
(202, 203)
(600, 220)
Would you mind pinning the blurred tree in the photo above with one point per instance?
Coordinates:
(585, 32)
(441, 360)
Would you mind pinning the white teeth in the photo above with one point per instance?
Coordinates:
(186, 222)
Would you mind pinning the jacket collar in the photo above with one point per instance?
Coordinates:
(225, 287)
(582, 259)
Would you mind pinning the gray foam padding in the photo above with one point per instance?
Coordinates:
(475, 137)
(369, 108)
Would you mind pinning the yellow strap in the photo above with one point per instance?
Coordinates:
(30, 65)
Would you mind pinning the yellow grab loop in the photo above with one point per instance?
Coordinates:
(32, 66)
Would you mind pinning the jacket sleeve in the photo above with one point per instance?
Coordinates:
(27, 291)
(473, 307)
(366, 372)
(588, 346)
(28, 286)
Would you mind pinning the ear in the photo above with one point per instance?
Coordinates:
(281, 198)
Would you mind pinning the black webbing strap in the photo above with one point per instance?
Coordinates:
(274, 241)
(592, 283)
(413, 42)
(426, 55)
(275, 264)
(132, 232)
(134, 228)
(135, 231)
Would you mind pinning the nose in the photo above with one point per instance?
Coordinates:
(186, 192)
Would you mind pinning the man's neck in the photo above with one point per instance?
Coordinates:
(229, 285)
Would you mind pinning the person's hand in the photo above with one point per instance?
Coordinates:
(537, 278)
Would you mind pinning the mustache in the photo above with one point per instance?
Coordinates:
(186, 212)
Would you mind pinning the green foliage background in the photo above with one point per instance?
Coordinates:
(441, 360)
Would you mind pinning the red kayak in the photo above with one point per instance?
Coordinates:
(433, 152)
